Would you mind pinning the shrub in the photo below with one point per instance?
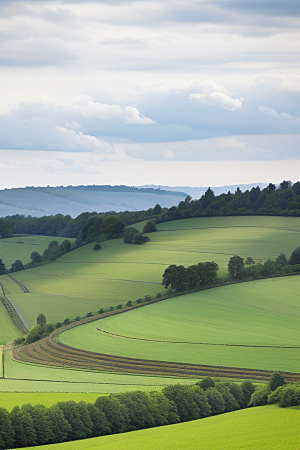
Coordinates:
(206, 383)
(101, 311)
(260, 396)
(97, 247)
(150, 227)
(120, 306)
(275, 381)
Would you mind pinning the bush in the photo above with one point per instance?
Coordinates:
(150, 227)
(275, 381)
(206, 383)
(97, 247)
(260, 396)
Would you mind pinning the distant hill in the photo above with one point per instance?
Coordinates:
(73, 200)
(196, 192)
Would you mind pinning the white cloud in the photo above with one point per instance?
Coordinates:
(271, 112)
(219, 99)
(129, 115)
(72, 140)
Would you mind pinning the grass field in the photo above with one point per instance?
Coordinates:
(28, 377)
(10, 399)
(21, 247)
(261, 428)
(8, 330)
(257, 321)
(85, 280)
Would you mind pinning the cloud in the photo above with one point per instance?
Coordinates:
(129, 115)
(220, 99)
(274, 114)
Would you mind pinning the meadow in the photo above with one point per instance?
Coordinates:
(21, 247)
(86, 280)
(8, 330)
(246, 325)
(263, 428)
(20, 377)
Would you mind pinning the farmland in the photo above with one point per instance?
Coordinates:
(244, 325)
(21, 247)
(263, 428)
(84, 280)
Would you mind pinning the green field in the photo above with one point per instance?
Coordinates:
(257, 322)
(21, 247)
(36, 378)
(8, 330)
(85, 280)
(261, 428)
(9, 400)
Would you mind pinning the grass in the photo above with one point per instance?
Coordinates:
(263, 428)
(85, 280)
(8, 330)
(184, 328)
(21, 247)
(10, 399)
(37, 378)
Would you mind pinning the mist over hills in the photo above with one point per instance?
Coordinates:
(73, 200)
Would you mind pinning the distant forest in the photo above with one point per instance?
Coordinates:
(281, 200)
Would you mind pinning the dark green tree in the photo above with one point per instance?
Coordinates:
(230, 402)
(100, 425)
(150, 226)
(129, 234)
(35, 258)
(140, 239)
(65, 246)
(275, 381)
(72, 414)
(41, 320)
(215, 400)
(269, 268)
(5, 229)
(285, 184)
(186, 399)
(41, 423)
(235, 267)
(2, 268)
(260, 396)
(115, 412)
(163, 410)
(281, 259)
(248, 389)
(16, 266)
(61, 428)
(6, 430)
(112, 225)
(157, 210)
(249, 261)
(22, 424)
(140, 409)
(295, 257)
(206, 383)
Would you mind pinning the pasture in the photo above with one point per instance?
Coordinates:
(20, 377)
(252, 325)
(85, 280)
(263, 428)
(8, 330)
(21, 247)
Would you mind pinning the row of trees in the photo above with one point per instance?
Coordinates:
(180, 278)
(117, 413)
(238, 269)
(283, 200)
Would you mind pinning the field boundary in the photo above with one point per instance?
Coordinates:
(195, 343)
(12, 312)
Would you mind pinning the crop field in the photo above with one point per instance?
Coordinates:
(21, 247)
(85, 280)
(21, 377)
(263, 428)
(252, 325)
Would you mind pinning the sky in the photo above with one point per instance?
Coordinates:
(179, 92)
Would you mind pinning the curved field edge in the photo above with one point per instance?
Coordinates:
(263, 428)
(247, 325)
(84, 280)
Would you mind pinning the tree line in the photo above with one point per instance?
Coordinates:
(281, 200)
(118, 413)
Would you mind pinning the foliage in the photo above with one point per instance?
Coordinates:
(129, 234)
(35, 258)
(97, 246)
(295, 257)
(16, 266)
(5, 229)
(281, 259)
(236, 267)
(249, 261)
(260, 396)
(2, 267)
(206, 383)
(179, 278)
(112, 225)
(41, 320)
(275, 381)
(150, 226)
